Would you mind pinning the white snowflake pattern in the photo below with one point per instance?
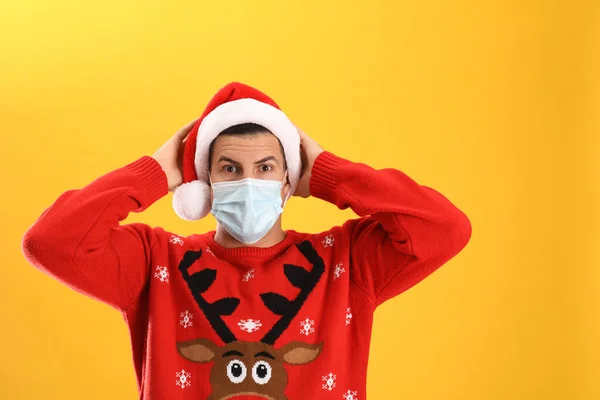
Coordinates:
(338, 271)
(348, 316)
(186, 319)
(328, 241)
(176, 240)
(183, 379)
(329, 382)
(307, 327)
(161, 273)
(350, 395)
(249, 325)
(248, 275)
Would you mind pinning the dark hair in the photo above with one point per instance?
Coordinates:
(247, 129)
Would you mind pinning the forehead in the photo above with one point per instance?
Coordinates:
(261, 144)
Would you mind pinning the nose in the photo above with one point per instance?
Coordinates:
(249, 174)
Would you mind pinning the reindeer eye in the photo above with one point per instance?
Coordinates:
(236, 371)
(261, 372)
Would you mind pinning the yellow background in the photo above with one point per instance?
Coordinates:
(494, 103)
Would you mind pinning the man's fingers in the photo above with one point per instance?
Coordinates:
(185, 130)
(305, 140)
(303, 136)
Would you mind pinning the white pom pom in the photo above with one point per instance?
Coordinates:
(191, 200)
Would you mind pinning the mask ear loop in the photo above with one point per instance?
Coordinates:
(287, 196)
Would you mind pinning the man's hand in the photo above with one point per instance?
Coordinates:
(309, 151)
(170, 156)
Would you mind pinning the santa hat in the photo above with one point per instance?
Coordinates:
(234, 104)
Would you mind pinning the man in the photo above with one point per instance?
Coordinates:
(248, 311)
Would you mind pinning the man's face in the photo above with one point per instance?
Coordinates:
(257, 156)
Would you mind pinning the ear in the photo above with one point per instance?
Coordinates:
(285, 191)
(297, 353)
(197, 350)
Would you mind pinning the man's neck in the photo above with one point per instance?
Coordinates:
(273, 237)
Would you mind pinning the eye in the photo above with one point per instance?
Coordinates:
(230, 168)
(236, 371)
(261, 372)
(266, 168)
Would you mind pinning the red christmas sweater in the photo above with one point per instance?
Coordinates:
(292, 321)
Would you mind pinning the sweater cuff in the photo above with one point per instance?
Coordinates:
(324, 174)
(152, 180)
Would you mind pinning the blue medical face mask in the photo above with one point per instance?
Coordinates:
(247, 209)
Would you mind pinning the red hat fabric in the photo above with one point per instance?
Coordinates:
(235, 103)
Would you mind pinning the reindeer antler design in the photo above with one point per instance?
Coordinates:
(299, 277)
(199, 283)
(302, 279)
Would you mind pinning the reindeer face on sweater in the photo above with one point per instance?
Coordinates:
(248, 368)
(242, 369)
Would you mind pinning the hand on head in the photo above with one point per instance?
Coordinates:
(170, 156)
(309, 151)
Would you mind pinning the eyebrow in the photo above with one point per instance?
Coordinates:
(233, 353)
(262, 160)
(269, 158)
(227, 159)
(264, 354)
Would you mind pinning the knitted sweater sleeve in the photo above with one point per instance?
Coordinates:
(406, 230)
(79, 240)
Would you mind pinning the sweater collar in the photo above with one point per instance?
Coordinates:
(263, 253)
